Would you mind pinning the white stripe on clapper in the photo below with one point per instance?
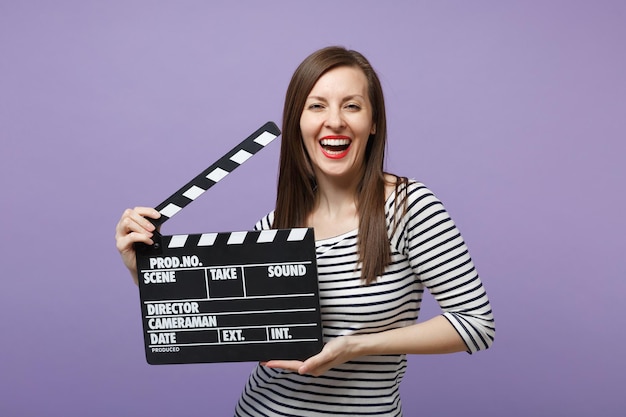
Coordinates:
(217, 174)
(170, 210)
(207, 239)
(236, 238)
(267, 236)
(193, 192)
(178, 241)
(265, 138)
(241, 156)
(297, 234)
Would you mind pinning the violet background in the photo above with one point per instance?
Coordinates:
(512, 112)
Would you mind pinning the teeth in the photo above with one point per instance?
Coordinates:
(335, 142)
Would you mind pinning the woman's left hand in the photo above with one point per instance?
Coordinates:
(337, 351)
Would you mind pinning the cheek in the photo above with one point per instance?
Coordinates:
(306, 126)
(307, 139)
(308, 131)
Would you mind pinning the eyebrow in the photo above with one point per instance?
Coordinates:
(346, 98)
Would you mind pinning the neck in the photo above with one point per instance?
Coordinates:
(336, 198)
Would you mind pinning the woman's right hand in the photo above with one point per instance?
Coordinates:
(133, 227)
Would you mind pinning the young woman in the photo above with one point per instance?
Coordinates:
(380, 241)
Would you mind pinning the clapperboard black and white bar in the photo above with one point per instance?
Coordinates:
(216, 172)
(231, 296)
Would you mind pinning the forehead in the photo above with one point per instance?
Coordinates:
(341, 81)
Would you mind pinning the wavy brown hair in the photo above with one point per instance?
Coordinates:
(297, 184)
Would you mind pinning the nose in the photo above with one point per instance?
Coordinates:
(334, 119)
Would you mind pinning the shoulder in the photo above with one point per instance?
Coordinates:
(412, 204)
(418, 190)
(401, 190)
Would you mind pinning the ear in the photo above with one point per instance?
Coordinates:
(373, 129)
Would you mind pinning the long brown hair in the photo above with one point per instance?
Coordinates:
(295, 196)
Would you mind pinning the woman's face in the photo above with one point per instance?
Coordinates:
(336, 123)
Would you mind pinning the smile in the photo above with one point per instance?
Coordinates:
(335, 147)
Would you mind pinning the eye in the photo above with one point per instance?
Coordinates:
(352, 107)
(315, 106)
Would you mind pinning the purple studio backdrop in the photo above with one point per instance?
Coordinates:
(512, 112)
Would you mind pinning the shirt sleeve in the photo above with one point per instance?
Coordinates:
(439, 257)
(266, 222)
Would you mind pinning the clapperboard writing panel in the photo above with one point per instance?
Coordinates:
(223, 297)
(228, 297)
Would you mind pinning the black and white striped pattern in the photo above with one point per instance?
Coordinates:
(216, 172)
(234, 238)
(428, 252)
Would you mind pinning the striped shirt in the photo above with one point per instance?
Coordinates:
(427, 251)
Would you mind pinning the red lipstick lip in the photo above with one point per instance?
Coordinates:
(336, 137)
(335, 156)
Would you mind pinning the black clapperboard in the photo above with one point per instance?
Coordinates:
(228, 297)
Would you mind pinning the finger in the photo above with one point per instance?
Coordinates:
(282, 364)
(125, 243)
(128, 227)
(134, 220)
(141, 214)
(314, 365)
(147, 212)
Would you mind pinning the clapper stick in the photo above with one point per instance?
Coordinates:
(215, 173)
